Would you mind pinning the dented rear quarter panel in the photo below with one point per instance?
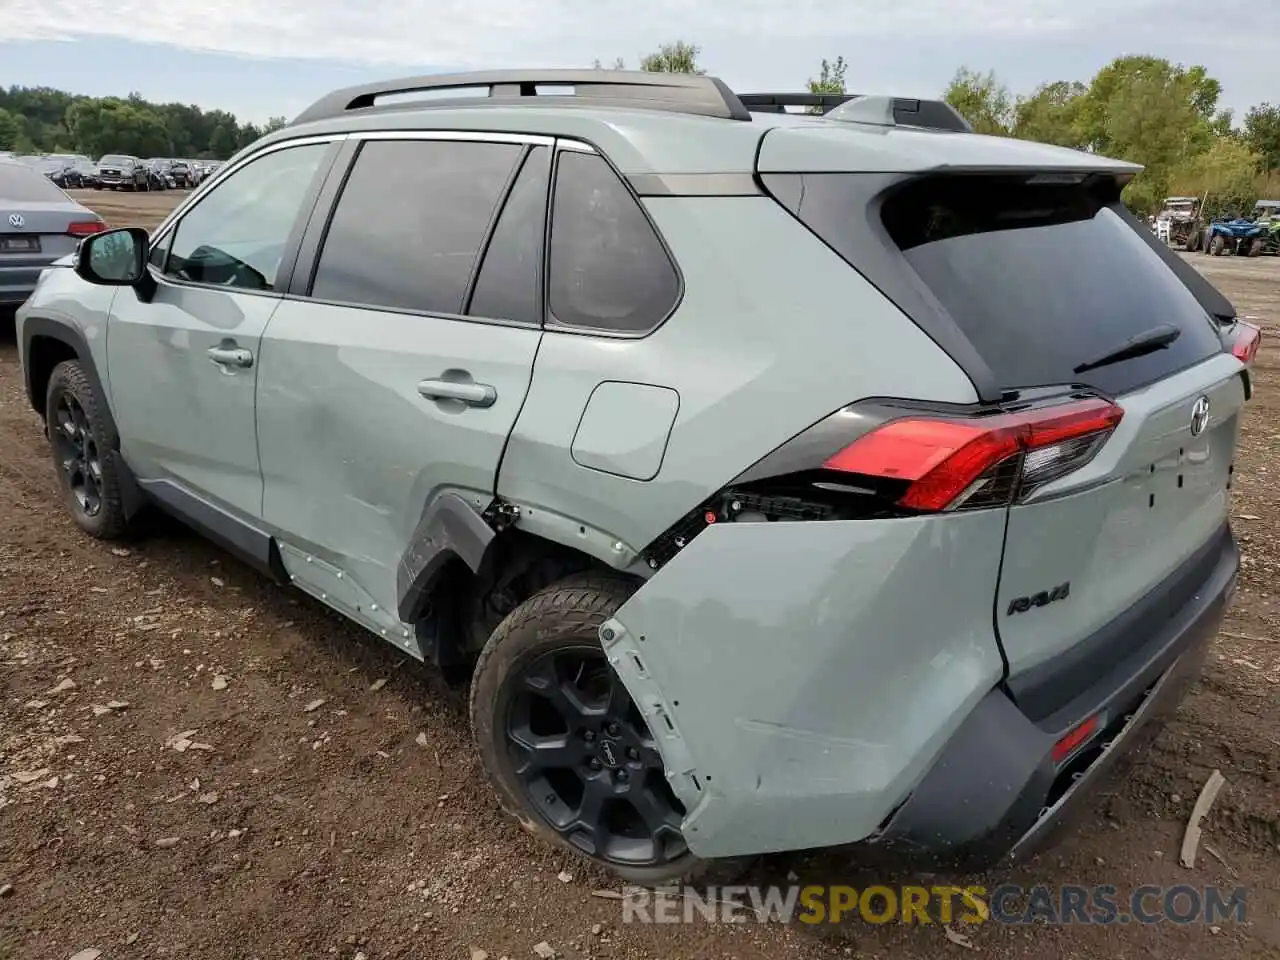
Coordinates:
(800, 678)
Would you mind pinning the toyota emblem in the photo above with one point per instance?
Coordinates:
(16, 221)
(1199, 416)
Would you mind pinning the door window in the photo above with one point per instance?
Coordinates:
(237, 233)
(409, 224)
(509, 285)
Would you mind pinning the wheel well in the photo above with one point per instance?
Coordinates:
(44, 354)
(466, 607)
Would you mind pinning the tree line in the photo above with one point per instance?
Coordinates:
(44, 120)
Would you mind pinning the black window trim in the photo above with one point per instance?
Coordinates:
(293, 243)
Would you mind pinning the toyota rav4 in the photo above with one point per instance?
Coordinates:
(778, 481)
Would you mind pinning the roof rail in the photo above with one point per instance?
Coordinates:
(679, 93)
(864, 108)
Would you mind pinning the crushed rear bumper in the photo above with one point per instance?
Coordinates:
(995, 793)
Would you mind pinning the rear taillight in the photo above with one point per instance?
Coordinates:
(1245, 341)
(85, 228)
(949, 462)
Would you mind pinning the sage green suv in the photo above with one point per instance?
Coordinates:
(777, 481)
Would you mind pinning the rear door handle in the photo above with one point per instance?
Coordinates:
(472, 394)
(230, 356)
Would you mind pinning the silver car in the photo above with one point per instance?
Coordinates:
(38, 224)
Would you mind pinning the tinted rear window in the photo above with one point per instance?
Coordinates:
(1039, 278)
(1043, 279)
(23, 184)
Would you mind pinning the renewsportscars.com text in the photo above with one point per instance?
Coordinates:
(920, 905)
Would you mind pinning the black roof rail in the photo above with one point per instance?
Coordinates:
(864, 108)
(679, 93)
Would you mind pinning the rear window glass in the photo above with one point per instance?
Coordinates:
(1043, 279)
(23, 184)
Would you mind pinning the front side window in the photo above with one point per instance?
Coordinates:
(608, 269)
(409, 224)
(236, 235)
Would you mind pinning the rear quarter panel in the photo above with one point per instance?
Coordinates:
(774, 332)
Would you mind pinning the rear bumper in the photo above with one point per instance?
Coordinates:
(996, 793)
(16, 283)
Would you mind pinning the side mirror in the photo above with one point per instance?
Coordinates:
(116, 258)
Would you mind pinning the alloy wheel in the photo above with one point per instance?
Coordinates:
(587, 761)
(78, 454)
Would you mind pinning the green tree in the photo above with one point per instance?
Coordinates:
(1226, 175)
(830, 79)
(1262, 133)
(273, 124)
(678, 57)
(1051, 114)
(618, 64)
(10, 130)
(982, 100)
(109, 125)
(224, 141)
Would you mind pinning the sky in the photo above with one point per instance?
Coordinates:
(262, 58)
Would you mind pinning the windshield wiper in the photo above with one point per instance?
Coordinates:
(1157, 338)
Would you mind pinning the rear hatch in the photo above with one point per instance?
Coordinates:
(1036, 281)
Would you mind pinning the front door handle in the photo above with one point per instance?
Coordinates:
(230, 356)
(472, 394)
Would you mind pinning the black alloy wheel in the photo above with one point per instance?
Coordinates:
(587, 762)
(77, 451)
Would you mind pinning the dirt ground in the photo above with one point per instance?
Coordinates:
(288, 832)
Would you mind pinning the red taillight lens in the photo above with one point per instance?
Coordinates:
(949, 462)
(1248, 339)
(86, 228)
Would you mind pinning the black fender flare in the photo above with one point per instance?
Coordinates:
(449, 529)
(67, 333)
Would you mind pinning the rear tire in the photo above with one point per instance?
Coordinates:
(1215, 246)
(85, 455)
(540, 665)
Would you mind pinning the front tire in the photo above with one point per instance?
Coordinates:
(564, 745)
(83, 445)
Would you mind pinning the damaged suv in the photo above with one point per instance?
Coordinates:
(778, 481)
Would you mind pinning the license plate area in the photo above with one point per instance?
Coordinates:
(19, 244)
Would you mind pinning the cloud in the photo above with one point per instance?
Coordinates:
(546, 32)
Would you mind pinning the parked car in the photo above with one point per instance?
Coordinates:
(38, 225)
(180, 170)
(159, 176)
(870, 486)
(122, 172)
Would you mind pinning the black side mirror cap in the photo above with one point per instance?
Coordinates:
(114, 258)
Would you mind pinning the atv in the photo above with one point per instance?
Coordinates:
(1266, 215)
(1231, 236)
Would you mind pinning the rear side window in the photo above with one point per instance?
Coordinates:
(509, 285)
(22, 184)
(410, 221)
(1041, 279)
(608, 269)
